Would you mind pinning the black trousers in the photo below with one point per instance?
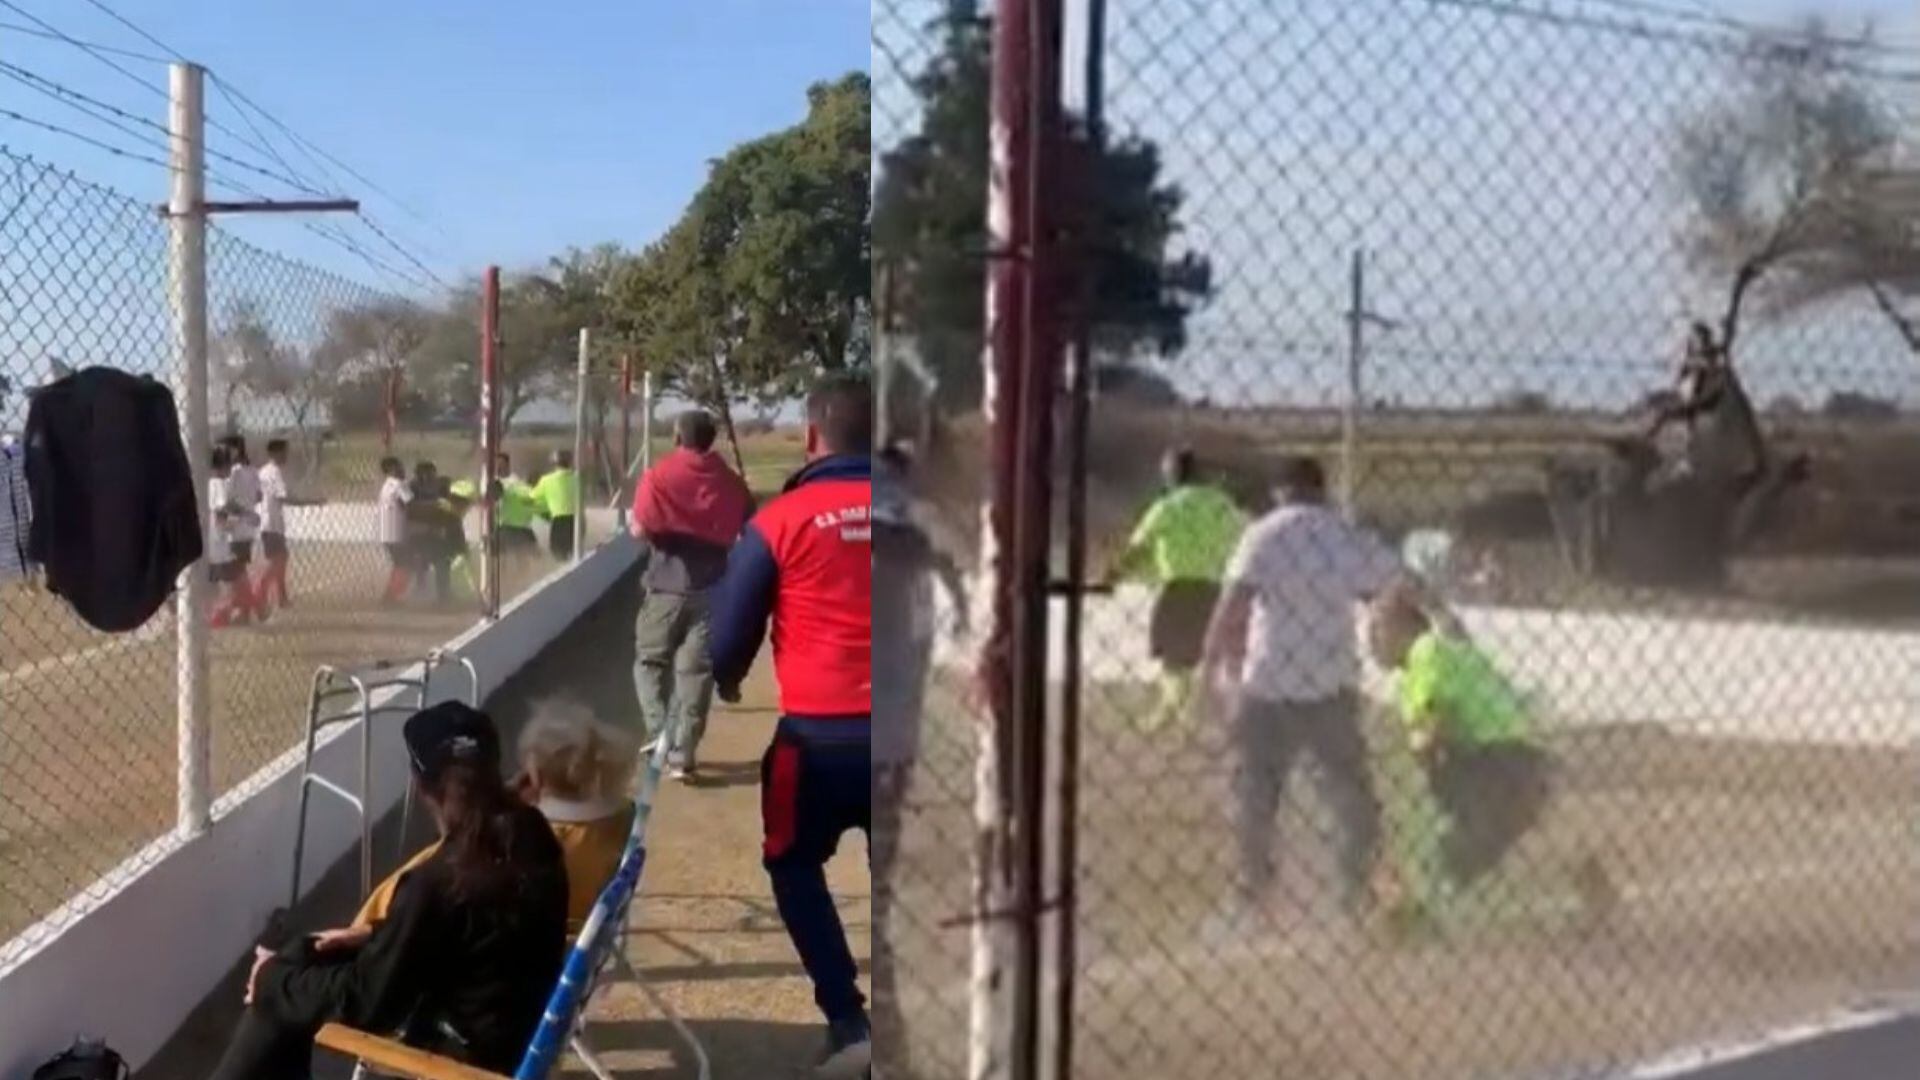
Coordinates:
(560, 539)
(262, 1048)
(1493, 795)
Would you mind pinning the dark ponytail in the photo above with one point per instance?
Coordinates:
(481, 819)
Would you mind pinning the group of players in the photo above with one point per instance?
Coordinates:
(421, 525)
(1254, 626)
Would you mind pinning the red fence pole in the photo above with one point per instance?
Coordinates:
(1022, 379)
(490, 441)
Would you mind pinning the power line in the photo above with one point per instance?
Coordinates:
(83, 46)
(1726, 41)
(302, 142)
(368, 221)
(75, 98)
(129, 24)
(113, 50)
(266, 144)
(77, 136)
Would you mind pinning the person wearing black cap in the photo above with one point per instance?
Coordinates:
(470, 948)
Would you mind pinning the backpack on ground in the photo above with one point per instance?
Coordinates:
(115, 517)
(87, 1060)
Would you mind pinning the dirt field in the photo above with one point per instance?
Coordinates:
(87, 721)
(1761, 884)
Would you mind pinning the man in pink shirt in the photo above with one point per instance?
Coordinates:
(689, 509)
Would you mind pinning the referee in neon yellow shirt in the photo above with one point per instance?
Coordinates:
(516, 508)
(1480, 777)
(557, 498)
(1182, 545)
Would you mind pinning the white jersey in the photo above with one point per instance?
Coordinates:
(219, 536)
(273, 499)
(394, 497)
(243, 487)
(1306, 567)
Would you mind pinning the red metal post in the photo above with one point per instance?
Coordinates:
(490, 440)
(1022, 379)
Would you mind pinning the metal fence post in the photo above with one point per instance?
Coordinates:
(580, 443)
(490, 441)
(646, 419)
(187, 289)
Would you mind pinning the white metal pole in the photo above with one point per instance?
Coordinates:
(646, 420)
(187, 288)
(580, 443)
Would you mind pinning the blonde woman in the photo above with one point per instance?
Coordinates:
(578, 771)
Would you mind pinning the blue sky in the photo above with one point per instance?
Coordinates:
(1511, 175)
(514, 129)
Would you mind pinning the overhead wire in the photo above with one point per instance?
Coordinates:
(67, 132)
(261, 143)
(81, 101)
(112, 50)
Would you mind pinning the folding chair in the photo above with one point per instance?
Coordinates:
(600, 944)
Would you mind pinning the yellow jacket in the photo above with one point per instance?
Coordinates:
(592, 836)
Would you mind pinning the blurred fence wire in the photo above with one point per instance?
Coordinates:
(1597, 318)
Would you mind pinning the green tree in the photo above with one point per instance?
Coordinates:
(764, 280)
(377, 344)
(930, 225)
(1786, 181)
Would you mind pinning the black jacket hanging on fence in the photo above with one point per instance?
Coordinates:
(115, 515)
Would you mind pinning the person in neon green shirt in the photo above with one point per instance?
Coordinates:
(1182, 545)
(515, 509)
(1470, 779)
(557, 498)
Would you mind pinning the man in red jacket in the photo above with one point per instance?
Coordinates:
(805, 565)
(689, 508)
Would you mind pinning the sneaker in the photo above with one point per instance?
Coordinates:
(849, 1051)
(680, 773)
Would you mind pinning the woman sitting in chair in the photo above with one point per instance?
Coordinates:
(579, 773)
(472, 942)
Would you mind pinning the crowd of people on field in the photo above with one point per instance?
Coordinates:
(421, 521)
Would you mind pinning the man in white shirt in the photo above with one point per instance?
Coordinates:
(243, 491)
(221, 567)
(1284, 634)
(275, 498)
(395, 495)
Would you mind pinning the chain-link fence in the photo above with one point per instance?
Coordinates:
(1633, 767)
(323, 393)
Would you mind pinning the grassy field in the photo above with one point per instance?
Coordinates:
(87, 720)
(1761, 884)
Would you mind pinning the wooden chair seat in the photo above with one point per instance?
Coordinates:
(391, 1057)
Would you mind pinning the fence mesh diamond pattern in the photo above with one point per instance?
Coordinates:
(1648, 776)
(313, 374)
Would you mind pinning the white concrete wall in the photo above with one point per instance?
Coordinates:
(152, 939)
(360, 523)
(1772, 680)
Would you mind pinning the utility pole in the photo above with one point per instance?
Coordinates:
(187, 289)
(490, 478)
(1359, 317)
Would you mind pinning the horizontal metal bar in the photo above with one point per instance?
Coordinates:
(325, 784)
